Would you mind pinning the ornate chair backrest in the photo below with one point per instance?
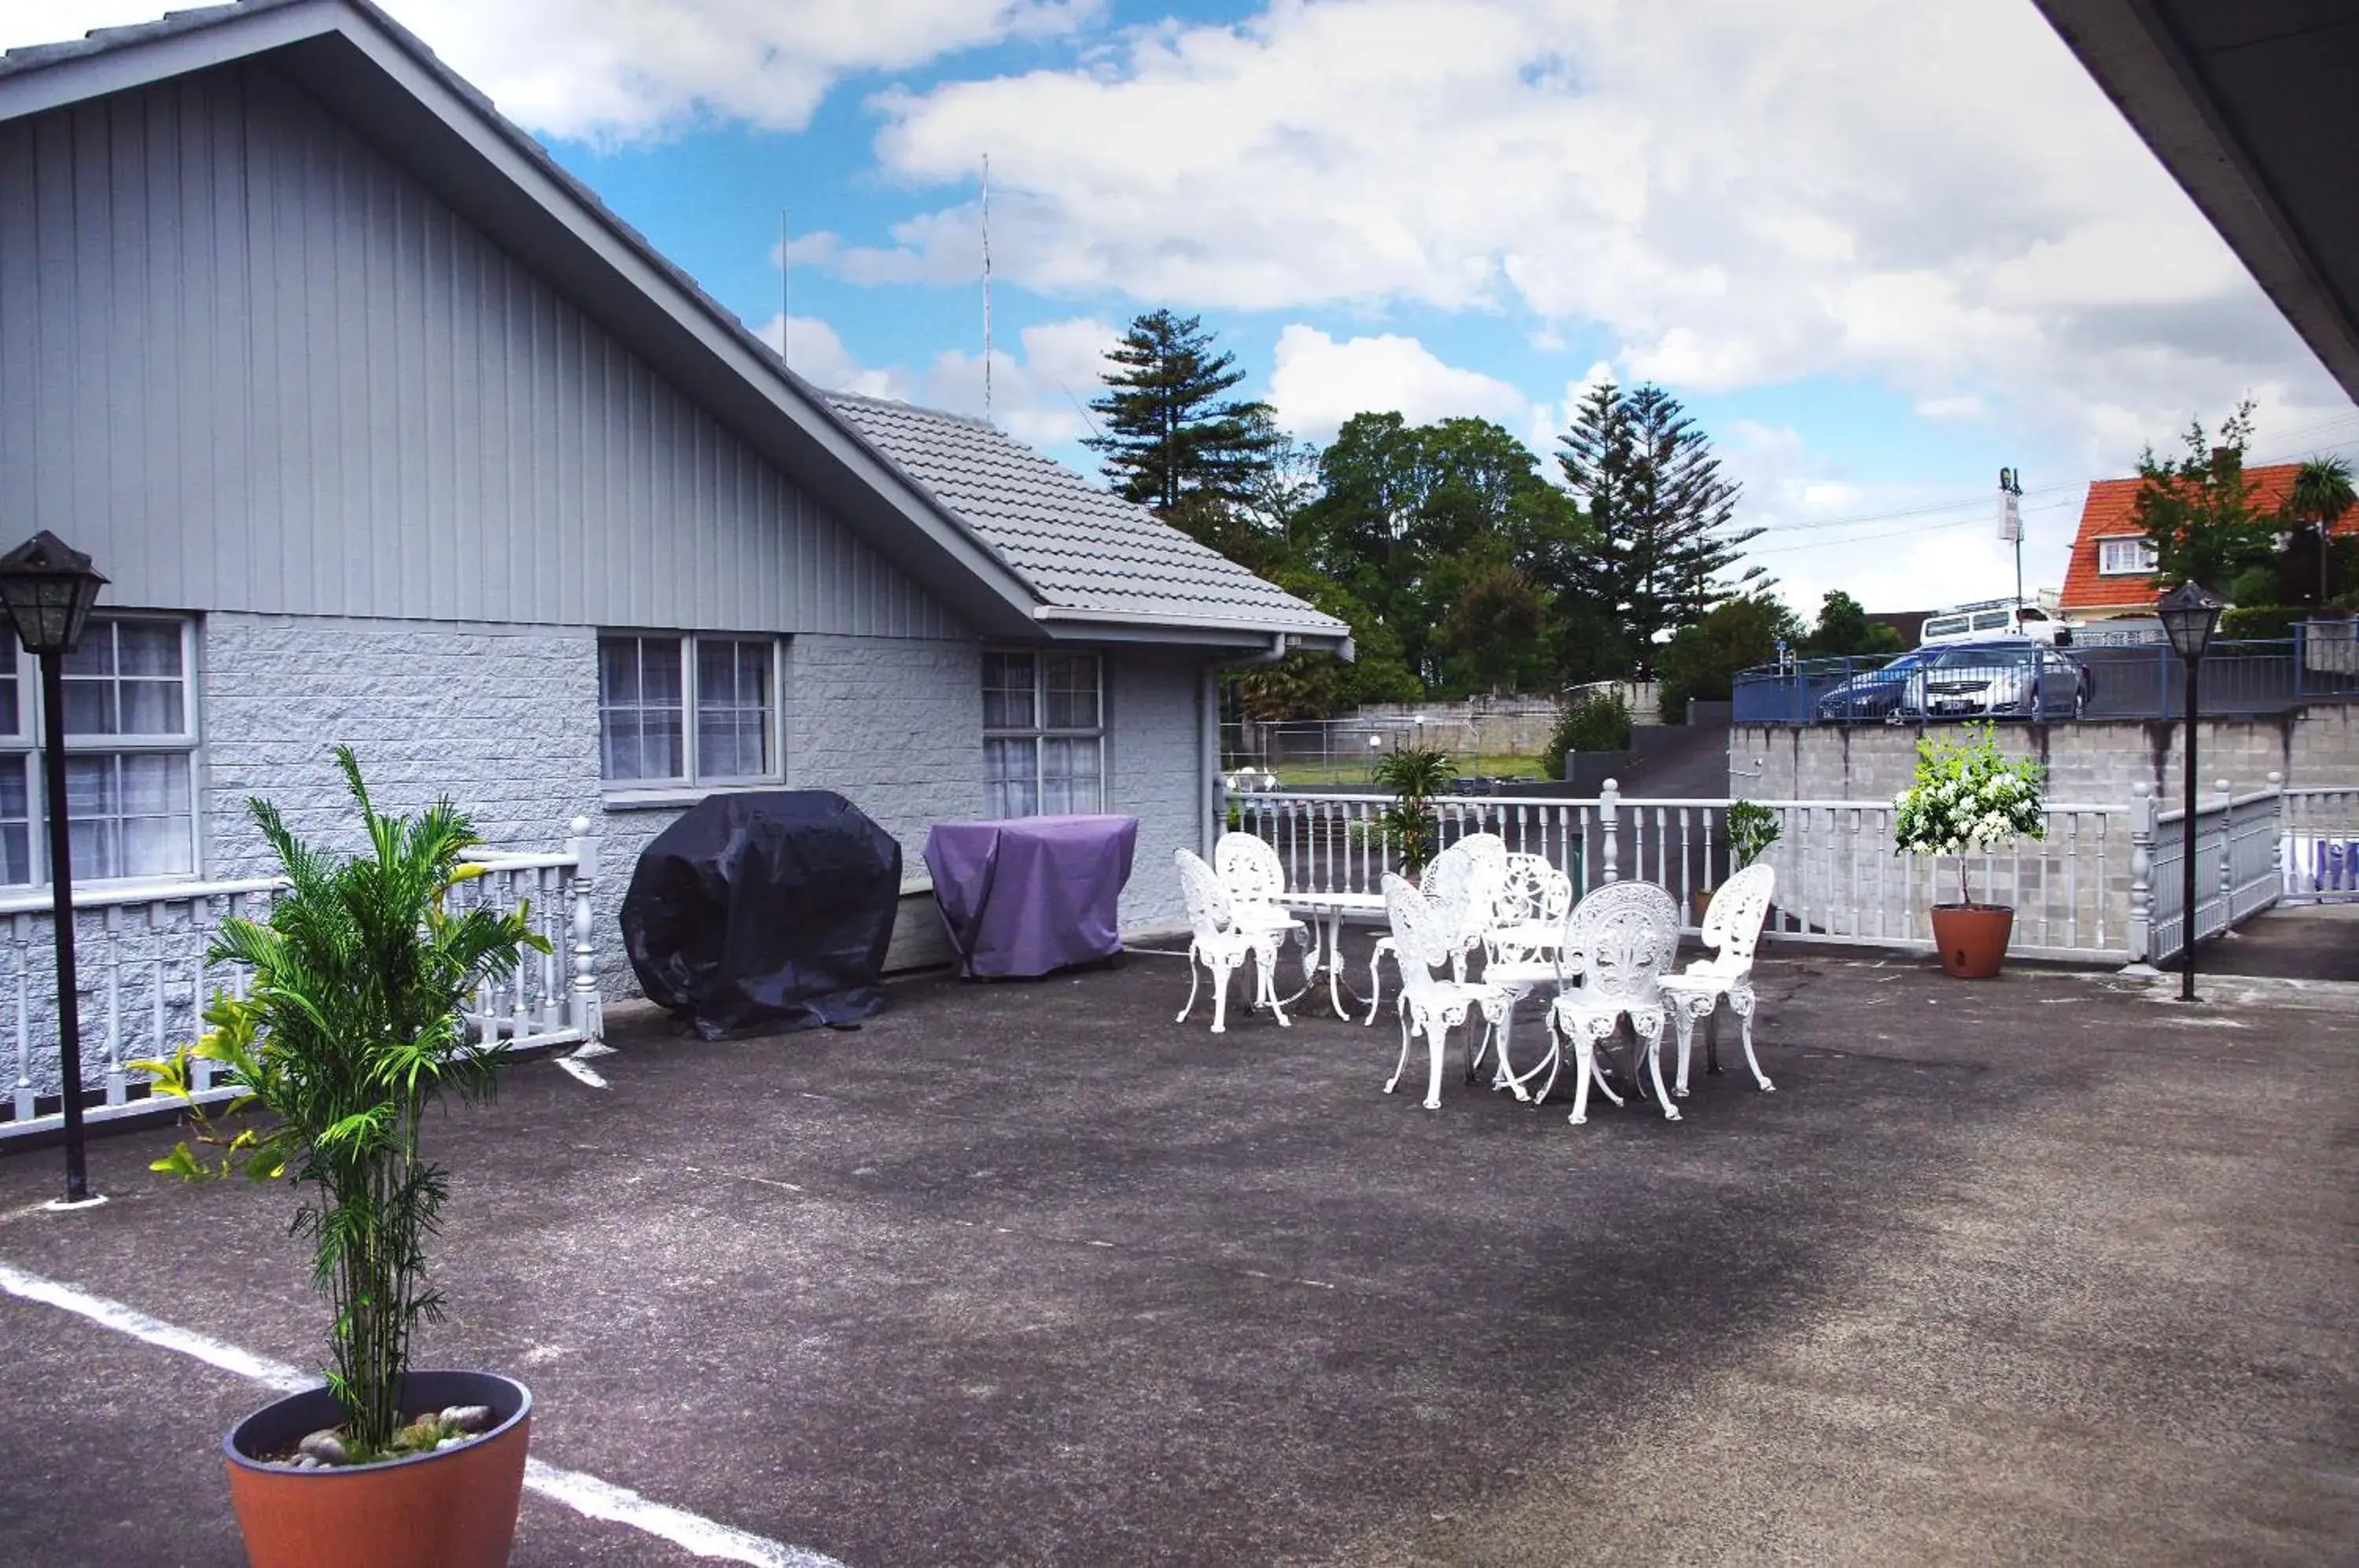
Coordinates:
(1420, 940)
(1732, 923)
(1528, 918)
(1463, 881)
(1208, 902)
(1249, 868)
(1621, 940)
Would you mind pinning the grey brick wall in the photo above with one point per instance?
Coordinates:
(503, 720)
(1154, 772)
(2091, 761)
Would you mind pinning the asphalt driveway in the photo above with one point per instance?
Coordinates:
(2042, 1269)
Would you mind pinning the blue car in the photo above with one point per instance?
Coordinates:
(1874, 693)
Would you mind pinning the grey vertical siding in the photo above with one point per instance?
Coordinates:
(249, 363)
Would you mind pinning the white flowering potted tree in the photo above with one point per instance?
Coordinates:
(1969, 798)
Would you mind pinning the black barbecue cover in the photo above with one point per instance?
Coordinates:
(761, 913)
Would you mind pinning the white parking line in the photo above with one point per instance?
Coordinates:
(584, 1494)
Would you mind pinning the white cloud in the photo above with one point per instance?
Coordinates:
(1038, 396)
(618, 70)
(1319, 383)
(1933, 197)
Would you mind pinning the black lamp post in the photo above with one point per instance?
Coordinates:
(2189, 614)
(47, 587)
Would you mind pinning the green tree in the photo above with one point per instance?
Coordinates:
(2198, 509)
(1843, 629)
(1307, 685)
(1659, 549)
(2322, 494)
(1439, 529)
(1170, 436)
(1700, 661)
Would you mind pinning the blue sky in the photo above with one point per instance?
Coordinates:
(1879, 248)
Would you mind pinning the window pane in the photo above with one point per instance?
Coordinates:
(151, 707)
(1072, 682)
(89, 706)
(148, 647)
(1009, 789)
(618, 670)
(660, 671)
(640, 722)
(1069, 776)
(94, 655)
(1008, 695)
(16, 821)
(734, 712)
(661, 752)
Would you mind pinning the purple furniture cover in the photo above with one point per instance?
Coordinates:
(1033, 894)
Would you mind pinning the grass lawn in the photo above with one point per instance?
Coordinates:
(1354, 771)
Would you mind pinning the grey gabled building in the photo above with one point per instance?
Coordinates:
(388, 431)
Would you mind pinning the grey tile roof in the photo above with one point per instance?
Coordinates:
(1081, 547)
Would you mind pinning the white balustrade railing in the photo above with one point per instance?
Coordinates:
(1839, 877)
(143, 978)
(2240, 857)
(2320, 857)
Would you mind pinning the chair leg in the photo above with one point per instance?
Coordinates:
(1683, 1031)
(1265, 972)
(1584, 1067)
(1194, 960)
(1744, 1023)
(1221, 974)
(1650, 1031)
(1400, 1066)
(1375, 982)
(1436, 1044)
(1594, 1036)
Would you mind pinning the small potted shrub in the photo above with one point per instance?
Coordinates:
(1415, 774)
(350, 1030)
(1969, 797)
(1752, 829)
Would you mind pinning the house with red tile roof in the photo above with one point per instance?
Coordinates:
(2111, 572)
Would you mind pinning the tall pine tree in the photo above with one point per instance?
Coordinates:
(1172, 441)
(1659, 549)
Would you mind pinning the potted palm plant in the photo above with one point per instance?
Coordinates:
(1752, 828)
(350, 1031)
(1415, 774)
(1969, 797)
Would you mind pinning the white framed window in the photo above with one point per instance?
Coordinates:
(1043, 733)
(2128, 557)
(131, 744)
(685, 712)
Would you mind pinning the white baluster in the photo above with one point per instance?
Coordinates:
(2142, 829)
(110, 923)
(587, 1012)
(1609, 795)
(20, 941)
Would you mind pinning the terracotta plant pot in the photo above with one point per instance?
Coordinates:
(454, 1508)
(1972, 938)
(1701, 900)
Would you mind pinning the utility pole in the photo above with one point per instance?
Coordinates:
(2010, 521)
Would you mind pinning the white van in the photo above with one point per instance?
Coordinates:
(1993, 619)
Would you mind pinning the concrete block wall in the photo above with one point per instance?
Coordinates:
(501, 719)
(1155, 766)
(2091, 761)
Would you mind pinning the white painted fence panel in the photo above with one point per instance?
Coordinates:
(144, 979)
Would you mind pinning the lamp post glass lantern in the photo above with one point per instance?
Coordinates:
(47, 588)
(2188, 615)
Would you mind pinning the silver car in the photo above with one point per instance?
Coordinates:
(2017, 679)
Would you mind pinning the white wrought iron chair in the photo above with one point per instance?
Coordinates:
(1459, 882)
(1523, 950)
(1255, 880)
(1219, 945)
(1621, 940)
(1423, 942)
(1732, 928)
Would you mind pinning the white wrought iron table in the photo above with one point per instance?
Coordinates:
(1326, 913)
